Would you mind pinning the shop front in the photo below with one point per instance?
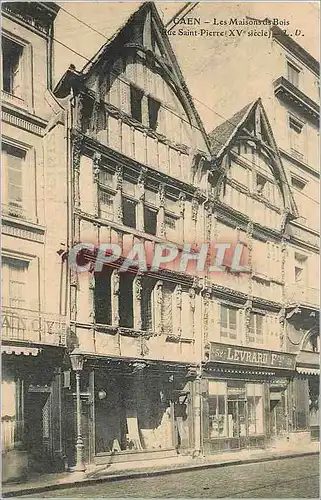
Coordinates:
(131, 410)
(244, 397)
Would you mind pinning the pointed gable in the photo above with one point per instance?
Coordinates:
(252, 160)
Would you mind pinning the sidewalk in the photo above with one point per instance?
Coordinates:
(117, 472)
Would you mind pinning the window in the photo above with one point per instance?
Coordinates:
(14, 282)
(11, 67)
(13, 160)
(228, 322)
(293, 74)
(298, 183)
(260, 184)
(153, 109)
(129, 212)
(170, 223)
(102, 296)
(136, 97)
(106, 204)
(235, 409)
(150, 220)
(126, 308)
(300, 267)
(167, 307)
(296, 135)
(256, 328)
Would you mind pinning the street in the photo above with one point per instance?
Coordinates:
(286, 478)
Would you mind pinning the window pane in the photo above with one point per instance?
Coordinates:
(153, 109)
(224, 323)
(106, 204)
(150, 221)
(11, 67)
(136, 96)
(129, 213)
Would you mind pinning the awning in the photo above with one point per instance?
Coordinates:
(18, 350)
(308, 371)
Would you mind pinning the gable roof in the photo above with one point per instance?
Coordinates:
(167, 61)
(221, 136)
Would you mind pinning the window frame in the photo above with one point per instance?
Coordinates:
(25, 262)
(297, 70)
(127, 198)
(228, 308)
(253, 336)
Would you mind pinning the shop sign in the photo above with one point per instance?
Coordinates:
(251, 357)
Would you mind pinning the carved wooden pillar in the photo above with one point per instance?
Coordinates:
(118, 195)
(115, 277)
(96, 171)
(192, 294)
(177, 317)
(158, 307)
(137, 296)
(161, 212)
(140, 189)
(206, 313)
(247, 316)
(282, 330)
(77, 149)
(181, 201)
(195, 207)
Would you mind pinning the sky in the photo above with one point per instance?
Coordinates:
(199, 59)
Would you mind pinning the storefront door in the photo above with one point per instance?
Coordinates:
(237, 418)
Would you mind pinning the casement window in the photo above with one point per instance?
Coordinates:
(106, 204)
(129, 212)
(14, 283)
(153, 112)
(126, 306)
(150, 220)
(102, 296)
(12, 78)
(228, 322)
(13, 165)
(256, 328)
(293, 74)
(136, 98)
(167, 307)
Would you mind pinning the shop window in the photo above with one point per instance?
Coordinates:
(129, 212)
(102, 296)
(13, 165)
(126, 309)
(256, 328)
(150, 220)
(11, 67)
(136, 98)
(106, 204)
(293, 74)
(153, 111)
(217, 409)
(228, 322)
(14, 282)
(167, 307)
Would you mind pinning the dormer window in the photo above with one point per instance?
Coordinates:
(261, 182)
(293, 74)
(153, 110)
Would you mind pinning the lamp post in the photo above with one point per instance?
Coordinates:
(77, 362)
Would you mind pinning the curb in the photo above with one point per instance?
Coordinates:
(137, 475)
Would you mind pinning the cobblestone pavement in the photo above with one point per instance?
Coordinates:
(286, 478)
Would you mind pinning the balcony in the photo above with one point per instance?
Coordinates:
(302, 296)
(292, 95)
(23, 325)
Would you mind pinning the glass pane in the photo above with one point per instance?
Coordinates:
(224, 317)
(242, 418)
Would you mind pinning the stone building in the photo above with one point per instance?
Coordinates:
(33, 326)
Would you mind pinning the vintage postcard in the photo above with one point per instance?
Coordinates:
(160, 249)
